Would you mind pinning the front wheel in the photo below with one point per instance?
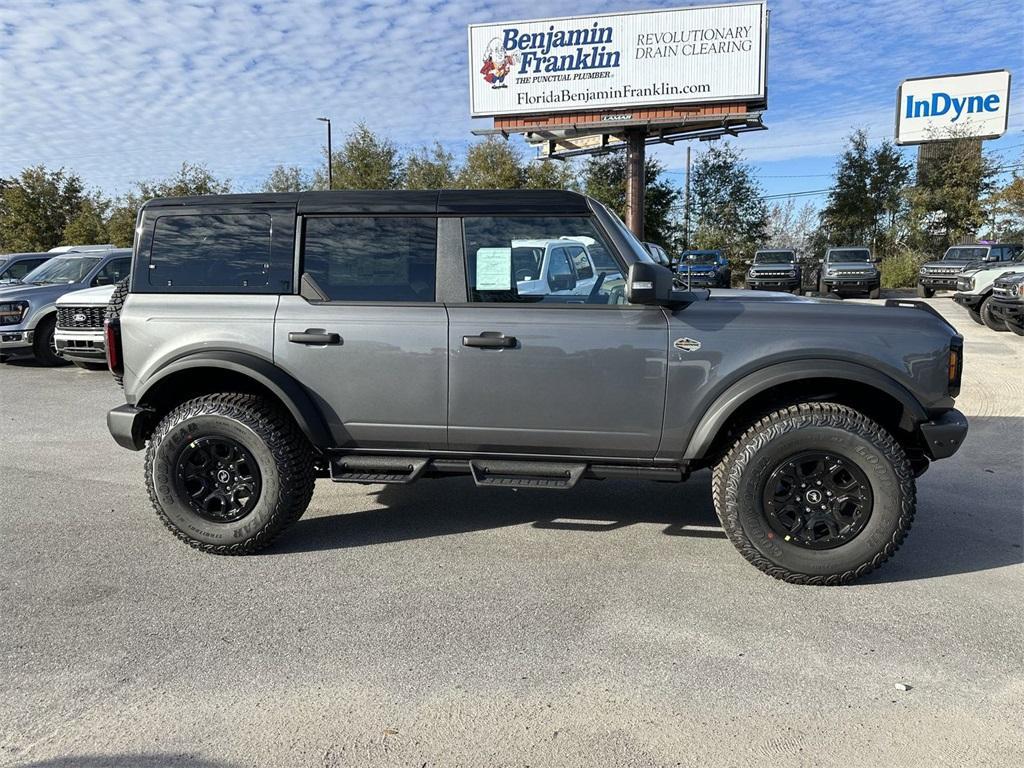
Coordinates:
(1017, 328)
(228, 472)
(975, 316)
(815, 493)
(87, 365)
(990, 320)
(924, 293)
(875, 293)
(44, 349)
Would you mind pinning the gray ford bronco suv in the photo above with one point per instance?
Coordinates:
(268, 340)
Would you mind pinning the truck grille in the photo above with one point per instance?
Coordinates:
(941, 270)
(760, 273)
(80, 317)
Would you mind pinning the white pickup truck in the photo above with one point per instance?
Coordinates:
(544, 267)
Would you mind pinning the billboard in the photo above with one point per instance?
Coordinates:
(690, 55)
(974, 105)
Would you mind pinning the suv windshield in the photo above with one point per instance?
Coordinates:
(774, 257)
(701, 257)
(849, 254)
(965, 254)
(62, 269)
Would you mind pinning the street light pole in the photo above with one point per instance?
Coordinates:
(330, 157)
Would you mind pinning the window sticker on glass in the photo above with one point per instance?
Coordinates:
(493, 269)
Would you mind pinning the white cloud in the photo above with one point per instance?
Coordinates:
(121, 90)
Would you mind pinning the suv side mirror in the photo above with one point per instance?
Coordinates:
(101, 280)
(565, 282)
(648, 284)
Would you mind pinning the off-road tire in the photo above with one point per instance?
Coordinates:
(797, 291)
(89, 366)
(875, 293)
(924, 293)
(114, 307)
(975, 316)
(42, 343)
(991, 322)
(282, 453)
(1017, 328)
(738, 481)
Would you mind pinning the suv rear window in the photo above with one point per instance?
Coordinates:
(372, 258)
(211, 250)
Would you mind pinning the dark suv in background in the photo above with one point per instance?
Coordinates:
(775, 270)
(704, 269)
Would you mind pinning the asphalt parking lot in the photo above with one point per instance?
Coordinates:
(440, 624)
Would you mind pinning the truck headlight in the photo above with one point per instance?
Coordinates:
(1015, 289)
(13, 312)
(830, 273)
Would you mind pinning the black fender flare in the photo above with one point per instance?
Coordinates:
(726, 404)
(289, 391)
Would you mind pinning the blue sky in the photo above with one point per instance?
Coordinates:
(121, 90)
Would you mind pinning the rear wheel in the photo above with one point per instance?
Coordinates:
(44, 348)
(815, 493)
(228, 472)
(991, 321)
(924, 293)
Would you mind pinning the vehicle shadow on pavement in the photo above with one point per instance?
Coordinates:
(455, 505)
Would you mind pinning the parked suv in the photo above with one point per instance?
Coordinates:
(1008, 302)
(942, 275)
(14, 266)
(850, 271)
(704, 269)
(974, 288)
(380, 337)
(775, 270)
(28, 311)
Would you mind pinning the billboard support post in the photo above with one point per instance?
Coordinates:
(636, 182)
(686, 203)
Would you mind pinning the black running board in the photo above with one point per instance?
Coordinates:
(526, 474)
(377, 469)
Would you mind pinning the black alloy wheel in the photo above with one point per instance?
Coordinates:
(219, 478)
(817, 500)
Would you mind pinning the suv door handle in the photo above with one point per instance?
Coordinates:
(313, 336)
(489, 340)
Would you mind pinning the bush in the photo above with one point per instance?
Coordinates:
(900, 270)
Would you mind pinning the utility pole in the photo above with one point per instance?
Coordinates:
(636, 182)
(330, 157)
(686, 203)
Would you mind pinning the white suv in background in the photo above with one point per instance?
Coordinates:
(974, 288)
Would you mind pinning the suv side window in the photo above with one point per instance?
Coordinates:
(492, 242)
(211, 250)
(113, 271)
(372, 258)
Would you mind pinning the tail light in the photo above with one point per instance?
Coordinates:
(112, 341)
(955, 365)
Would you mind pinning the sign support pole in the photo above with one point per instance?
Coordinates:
(636, 183)
(686, 203)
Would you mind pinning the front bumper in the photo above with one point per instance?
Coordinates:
(128, 426)
(86, 345)
(1008, 311)
(938, 283)
(774, 284)
(15, 338)
(971, 301)
(942, 437)
(841, 284)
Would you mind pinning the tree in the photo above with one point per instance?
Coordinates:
(190, 179)
(791, 227)
(492, 164)
(430, 169)
(727, 202)
(604, 179)
(1005, 209)
(365, 161)
(946, 204)
(36, 207)
(287, 178)
(887, 185)
(550, 174)
(89, 225)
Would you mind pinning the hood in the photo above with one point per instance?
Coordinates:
(957, 263)
(37, 294)
(92, 297)
(698, 268)
(735, 294)
(851, 266)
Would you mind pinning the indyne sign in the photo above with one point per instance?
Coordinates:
(973, 105)
(682, 56)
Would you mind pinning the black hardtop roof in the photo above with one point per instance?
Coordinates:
(985, 245)
(445, 201)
